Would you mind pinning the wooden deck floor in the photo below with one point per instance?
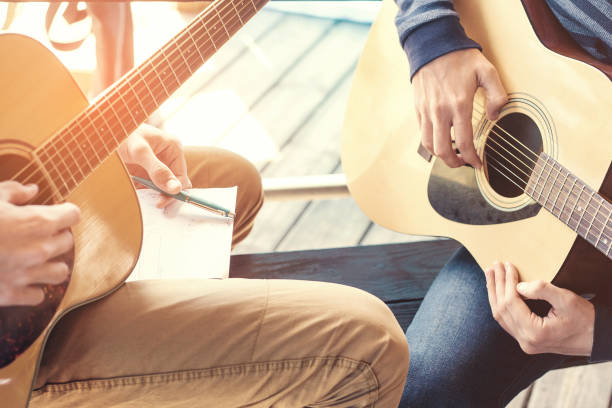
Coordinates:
(276, 93)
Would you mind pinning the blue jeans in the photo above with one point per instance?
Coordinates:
(459, 355)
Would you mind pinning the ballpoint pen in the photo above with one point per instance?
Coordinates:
(185, 197)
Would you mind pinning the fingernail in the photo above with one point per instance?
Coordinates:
(173, 185)
(521, 286)
(32, 186)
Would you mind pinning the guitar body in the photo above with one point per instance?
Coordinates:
(564, 102)
(39, 97)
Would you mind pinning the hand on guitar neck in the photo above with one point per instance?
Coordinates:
(444, 96)
(31, 236)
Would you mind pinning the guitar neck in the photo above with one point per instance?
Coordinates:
(573, 202)
(86, 141)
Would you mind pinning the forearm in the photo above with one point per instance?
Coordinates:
(429, 29)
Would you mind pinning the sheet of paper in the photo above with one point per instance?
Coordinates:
(185, 241)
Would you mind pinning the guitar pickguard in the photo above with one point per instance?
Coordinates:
(455, 195)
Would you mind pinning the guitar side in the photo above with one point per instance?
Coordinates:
(39, 96)
(389, 179)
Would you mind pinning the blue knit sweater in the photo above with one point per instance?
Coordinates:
(429, 29)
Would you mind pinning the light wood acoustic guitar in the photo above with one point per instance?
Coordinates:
(51, 135)
(541, 199)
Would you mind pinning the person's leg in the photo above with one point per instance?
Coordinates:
(460, 356)
(226, 343)
(214, 167)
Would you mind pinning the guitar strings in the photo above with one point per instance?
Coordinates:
(558, 171)
(200, 33)
(123, 81)
(602, 229)
(126, 78)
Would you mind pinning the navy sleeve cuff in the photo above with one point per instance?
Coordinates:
(434, 39)
(602, 335)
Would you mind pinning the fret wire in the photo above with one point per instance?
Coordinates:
(197, 48)
(594, 217)
(237, 13)
(160, 80)
(583, 209)
(545, 183)
(108, 126)
(568, 194)
(127, 108)
(607, 239)
(144, 110)
(575, 204)
(184, 59)
(222, 23)
(163, 53)
(95, 129)
(83, 154)
(99, 129)
(554, 183)
(112, 109)
(93, 149)
(208, 32)
(67, 167)
(45, 171)
(537, 182)
(254, 6)
(58, 180)
(144, 81)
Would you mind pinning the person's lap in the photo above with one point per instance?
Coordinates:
(460, 356)
(227, 343)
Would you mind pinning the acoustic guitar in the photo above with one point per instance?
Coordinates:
(542, 197)
(51, 135)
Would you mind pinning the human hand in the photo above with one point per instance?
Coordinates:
(566, 329)
(30, 237)
(150, 153)
(444, 96)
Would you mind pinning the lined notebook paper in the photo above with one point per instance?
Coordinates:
(185, 241)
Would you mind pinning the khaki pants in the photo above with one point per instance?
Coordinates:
(226, 343)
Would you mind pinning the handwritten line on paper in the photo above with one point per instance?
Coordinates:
(185, 241)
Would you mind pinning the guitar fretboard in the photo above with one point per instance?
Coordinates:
(573, 202)
(84, 143)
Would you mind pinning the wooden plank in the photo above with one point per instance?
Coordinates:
(230, 94)
(242, 42)
(402, 272)
(327, 224)
(290, 102)
(404, 312)
(311, 151)
(584, 386)
(381, 235)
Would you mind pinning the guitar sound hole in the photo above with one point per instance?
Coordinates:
(20, 326)
(511, 150)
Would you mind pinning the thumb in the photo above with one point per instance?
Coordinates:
(541, 290)
(494, 90)
(162, 176)
(17, 193)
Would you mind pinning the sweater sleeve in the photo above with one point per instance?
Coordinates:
(602, 336)
(429, 29)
